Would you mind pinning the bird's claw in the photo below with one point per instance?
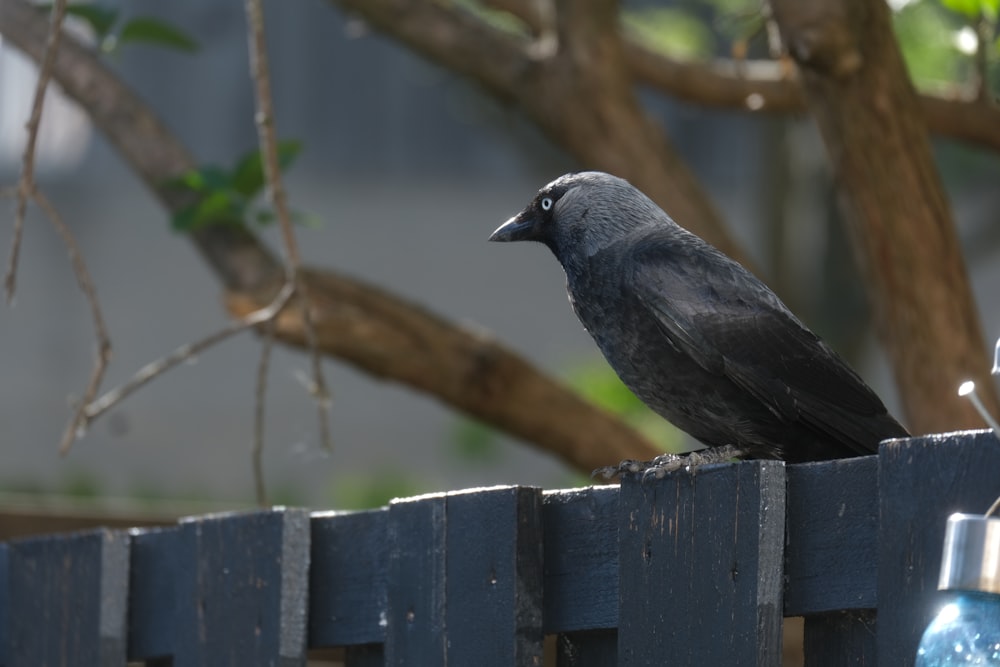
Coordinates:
(659, 467)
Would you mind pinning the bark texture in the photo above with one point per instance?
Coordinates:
(859, 92)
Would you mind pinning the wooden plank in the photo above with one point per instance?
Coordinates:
(70, 594)
(494, 577)
(840, 638)
(592, 648)
(921, 482)
(581, 559)
(465, 577)
(152, 615)
(242, 589)
(415, 591)
(701, 566)
(831, 546)
(347, 578)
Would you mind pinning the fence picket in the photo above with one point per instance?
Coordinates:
(697, 568)
(700, 566)
(67, 598)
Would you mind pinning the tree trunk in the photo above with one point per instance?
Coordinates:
(869, 115)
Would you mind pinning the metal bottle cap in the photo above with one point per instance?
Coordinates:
(971, 559)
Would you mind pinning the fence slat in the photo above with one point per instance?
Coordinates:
(581, 559)
(415, 591)
(347, 578)
(242, 589)
(831, 550)
(921, 482)
(480, 605)
(67, 597)
(701, 566)
(494, 577)
(152, 593)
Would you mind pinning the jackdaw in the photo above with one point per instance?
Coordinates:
(696, 336)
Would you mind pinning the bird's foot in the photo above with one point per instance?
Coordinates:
(666, 463)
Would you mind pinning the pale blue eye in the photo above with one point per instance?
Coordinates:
(546, 203)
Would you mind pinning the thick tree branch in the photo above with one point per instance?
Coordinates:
(768, 86)
(581, 97)
(379, 333)
(866, 109)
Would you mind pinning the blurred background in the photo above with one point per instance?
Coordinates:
(405, 170)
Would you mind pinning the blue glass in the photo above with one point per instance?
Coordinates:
(966, 632)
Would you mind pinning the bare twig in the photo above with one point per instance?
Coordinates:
(184, 353)
(26, 184)
(100, 330)
(272, 172)
(267, 343)
(26, 189)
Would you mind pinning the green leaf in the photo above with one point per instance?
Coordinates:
(216, 207)
(248, 176)
(204, 179)
(153, 31)
(99, 18)
(968, 8)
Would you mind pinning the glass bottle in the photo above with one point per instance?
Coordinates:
(967, 630)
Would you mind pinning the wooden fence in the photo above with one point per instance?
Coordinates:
(694, 569)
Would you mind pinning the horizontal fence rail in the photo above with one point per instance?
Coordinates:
(698, 568)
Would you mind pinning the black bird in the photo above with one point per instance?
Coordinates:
(693, 334)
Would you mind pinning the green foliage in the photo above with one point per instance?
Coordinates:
(226, 196)
(81, 484)
(927, 38)
(973, 9)
(937, 38)
(475, 441)
(599, 384)
(154, 31)
(112, 33)
(672, 31)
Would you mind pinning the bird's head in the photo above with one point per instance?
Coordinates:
(580, 214)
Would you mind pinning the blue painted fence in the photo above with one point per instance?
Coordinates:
(694, 569)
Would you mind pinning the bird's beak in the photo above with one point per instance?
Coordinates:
(522, 227)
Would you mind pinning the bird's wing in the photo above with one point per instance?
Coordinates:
(729, 323)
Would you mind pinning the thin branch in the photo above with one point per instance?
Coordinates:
(260, 396)
(26, 184)
(272, 172)
(184, 353)
(377, 332)
(100, 329)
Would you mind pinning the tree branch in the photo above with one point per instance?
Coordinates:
(866, 109)
(276, 191)
(367, 327)
(768, 86)
(581, 97)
